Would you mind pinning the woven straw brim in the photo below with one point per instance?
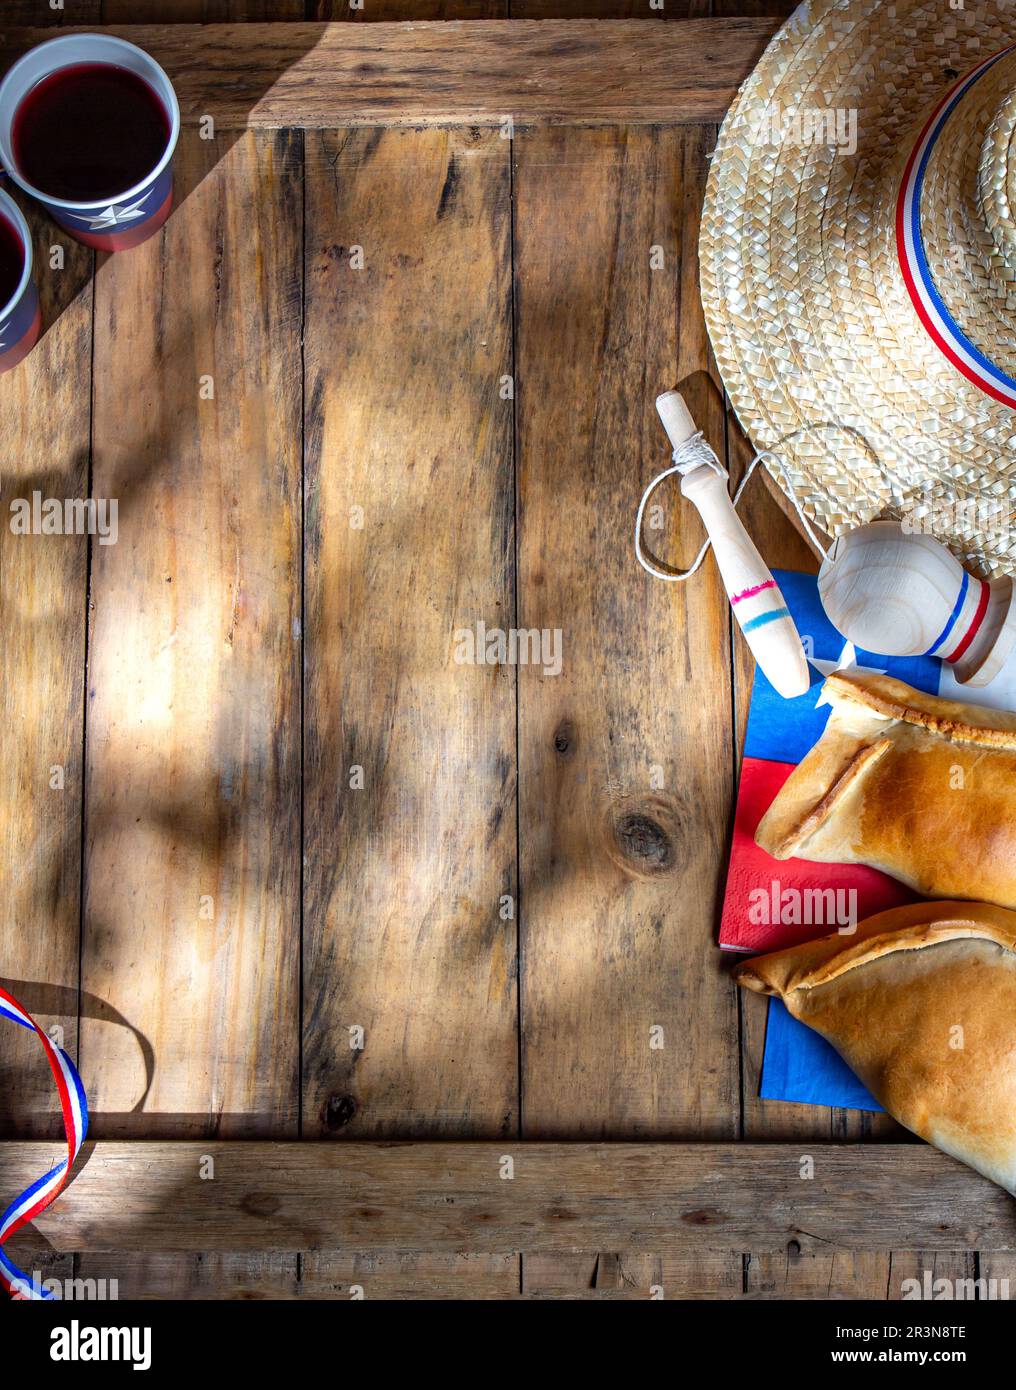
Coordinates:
(811, 323)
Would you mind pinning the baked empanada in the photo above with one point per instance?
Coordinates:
(922, 788)
(920, 1002)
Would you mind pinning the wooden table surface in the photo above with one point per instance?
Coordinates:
(372, 387)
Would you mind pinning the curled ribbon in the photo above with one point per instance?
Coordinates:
(44, 1190)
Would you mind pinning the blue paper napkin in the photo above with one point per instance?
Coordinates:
(800, 1065)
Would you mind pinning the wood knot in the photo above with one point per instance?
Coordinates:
(644, 841)
(564, 737)
(261, 1204)
(644, 835)
(338, 1111)
(705, 1216)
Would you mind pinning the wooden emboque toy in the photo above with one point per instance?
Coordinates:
(905, 594)
(754, 594)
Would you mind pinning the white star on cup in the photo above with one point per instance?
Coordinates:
(112, 216)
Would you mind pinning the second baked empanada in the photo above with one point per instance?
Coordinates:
(921, 1003)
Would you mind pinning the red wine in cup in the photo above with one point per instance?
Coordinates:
(88, 132)
(12, 261)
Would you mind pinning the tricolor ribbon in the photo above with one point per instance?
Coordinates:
(41, 1193)
(943, 329)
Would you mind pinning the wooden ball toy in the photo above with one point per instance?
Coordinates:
(901, 593)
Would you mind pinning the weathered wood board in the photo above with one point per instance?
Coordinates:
(702, 1274)
(480, 72)
(624, 759)
(395, 1274)
(192, 844)
(451, 1197)
(44, 451)
(409, 919)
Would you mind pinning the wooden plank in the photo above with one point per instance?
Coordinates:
(625, 756)
(913, 1273)
(38, 1262)
(609, 9)
(318, 1274)
(339, 1274)
(321, 1275)
(40, 12)
(701, 1274)
(203, 11)
(587, 72)
(998, 1270)
(44, 445)
(248, 1275)
(375, 11)
(192, 815)
(806, 1269)
(183, 1276)
(743, 9)
(409, 540)
(186, 1276)
(809, 1268)
(369, 11)
(450, 1197)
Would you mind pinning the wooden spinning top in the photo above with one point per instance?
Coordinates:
(902, 594)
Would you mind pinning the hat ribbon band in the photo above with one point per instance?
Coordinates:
(939, 323)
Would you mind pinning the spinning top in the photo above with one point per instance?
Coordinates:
(902, 594)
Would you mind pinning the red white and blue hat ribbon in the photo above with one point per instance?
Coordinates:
(939, 323)
(44, 1190)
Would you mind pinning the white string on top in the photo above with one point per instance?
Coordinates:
(694, 453)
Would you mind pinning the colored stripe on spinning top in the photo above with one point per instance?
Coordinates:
(750, 593)
(953, 616)
(975, 626)
(764, 618)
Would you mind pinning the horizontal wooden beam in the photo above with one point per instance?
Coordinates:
(566, 72)
(505, 1197)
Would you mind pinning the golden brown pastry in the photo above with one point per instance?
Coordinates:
(922, 788)
(921, 1003)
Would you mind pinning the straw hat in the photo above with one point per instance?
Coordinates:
(858, 265)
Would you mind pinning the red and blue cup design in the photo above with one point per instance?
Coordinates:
(20, 319)
(105, 222)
